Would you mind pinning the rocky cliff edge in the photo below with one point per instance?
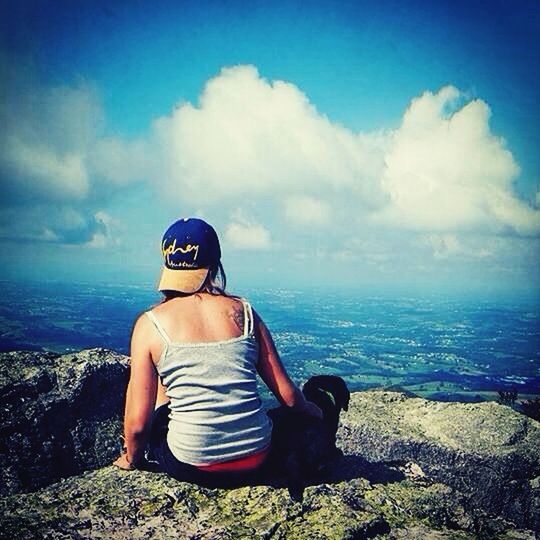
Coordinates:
(411, 468)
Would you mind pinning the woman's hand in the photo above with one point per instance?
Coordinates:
(123, 463)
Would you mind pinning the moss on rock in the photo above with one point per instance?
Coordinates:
(110, 503)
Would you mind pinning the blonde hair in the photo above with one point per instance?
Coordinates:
(215, 284)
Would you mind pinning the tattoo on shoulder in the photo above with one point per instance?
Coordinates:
(238, 316)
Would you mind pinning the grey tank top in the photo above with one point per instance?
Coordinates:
(216, 413)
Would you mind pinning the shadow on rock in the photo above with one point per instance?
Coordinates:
(342, 468)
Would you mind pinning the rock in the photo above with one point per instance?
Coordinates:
(411, 468)
(486, 451)
(113, 503)
(110, 503)
(59, 415)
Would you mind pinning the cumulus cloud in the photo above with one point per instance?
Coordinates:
(445, 170)
(263, 146)
(105, 231)
(38, 171)
(55, 223)
(46, 134)
(444, 245)
(53, 148)
(56, 168)
(249, 137)
(486, 252)
(242, 233)
(442, 170)
(307, 211)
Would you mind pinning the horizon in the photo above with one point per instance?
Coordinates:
(499, 295)
(336, 144)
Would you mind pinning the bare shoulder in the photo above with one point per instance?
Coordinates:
(142, 326)
(163, 307)
(174, 309)
(235, 311)
(143, 338)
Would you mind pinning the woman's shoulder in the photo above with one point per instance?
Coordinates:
(228, 298)
(195, 302)
(232, 302)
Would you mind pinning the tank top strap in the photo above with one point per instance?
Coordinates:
(248, 317)
(158, 326)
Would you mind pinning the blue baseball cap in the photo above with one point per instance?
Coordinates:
(189, 247)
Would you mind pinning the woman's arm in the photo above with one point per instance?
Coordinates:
(140, 397)
(275, 376)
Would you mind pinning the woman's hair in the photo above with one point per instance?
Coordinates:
(215, 284)
(215, 281)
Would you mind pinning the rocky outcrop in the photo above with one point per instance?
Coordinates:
(486, 451)
(59, 415)
(110, 503)
(411, 468)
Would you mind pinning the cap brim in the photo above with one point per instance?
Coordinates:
(186, 281)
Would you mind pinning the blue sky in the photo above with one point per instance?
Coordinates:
(357, 143)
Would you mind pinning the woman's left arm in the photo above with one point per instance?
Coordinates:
(140, 397)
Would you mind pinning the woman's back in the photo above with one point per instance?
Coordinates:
(202, 318)
(210, 375)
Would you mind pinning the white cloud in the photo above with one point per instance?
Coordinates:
(49, 236)
(251, 137)
(55, 223)
(307, 211)
(52, 148)
(444, 245)
(448, 172)
(463, 246)
(262, 145)
(55, 166)
(243, 233)
(45, 137)
(121, 162)
(106, 234)
(97, 241)
(38, 170)
(442, 170)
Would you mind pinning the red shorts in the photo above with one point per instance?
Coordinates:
(247, 463)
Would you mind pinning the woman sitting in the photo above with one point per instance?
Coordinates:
(192, 401)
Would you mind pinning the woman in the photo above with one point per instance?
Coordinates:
(192, 398)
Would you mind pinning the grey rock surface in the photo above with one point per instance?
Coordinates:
(59, 415)
(411, 468)
(486, 451)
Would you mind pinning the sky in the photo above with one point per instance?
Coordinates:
(347, 144)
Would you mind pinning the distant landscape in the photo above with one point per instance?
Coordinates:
(439, 347)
